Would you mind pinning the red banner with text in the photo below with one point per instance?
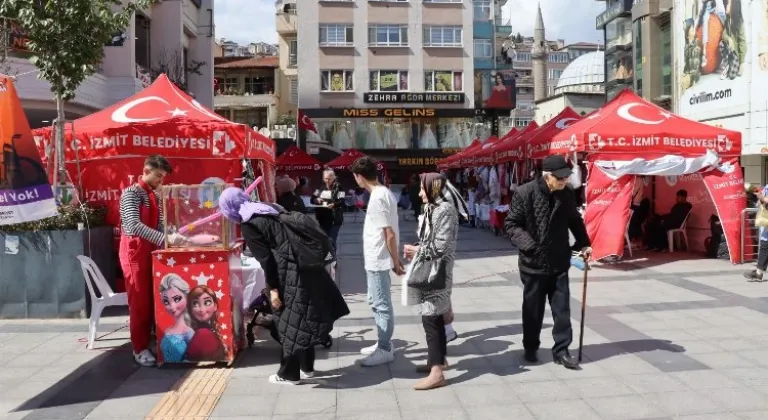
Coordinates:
(726, 187)
(607, 212)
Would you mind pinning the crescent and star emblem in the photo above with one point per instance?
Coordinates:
(120, 115)
(565, 122)
(624, 112)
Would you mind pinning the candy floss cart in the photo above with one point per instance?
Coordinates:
(198, 283)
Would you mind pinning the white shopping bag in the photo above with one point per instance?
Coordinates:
(408, 295)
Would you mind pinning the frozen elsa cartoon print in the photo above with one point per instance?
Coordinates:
(206, 344)
(173, 292)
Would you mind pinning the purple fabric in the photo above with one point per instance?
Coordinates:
(234, 205)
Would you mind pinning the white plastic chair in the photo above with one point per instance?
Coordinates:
(680, 232)
(626, 233)
(92, 276)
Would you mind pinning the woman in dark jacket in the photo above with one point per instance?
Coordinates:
(306, 302)
(286, 195)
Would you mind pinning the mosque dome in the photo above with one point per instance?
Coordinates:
(585, 74)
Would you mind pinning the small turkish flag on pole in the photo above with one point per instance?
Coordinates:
(306, 123)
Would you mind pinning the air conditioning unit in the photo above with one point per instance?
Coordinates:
(290, 133)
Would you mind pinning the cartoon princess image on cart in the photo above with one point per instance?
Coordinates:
(176, 338)
(206, 344)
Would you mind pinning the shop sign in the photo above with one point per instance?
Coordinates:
(417, 161)
(452, 151)
(389, 112)
(17, 37)
(615, 10)
(412, 98)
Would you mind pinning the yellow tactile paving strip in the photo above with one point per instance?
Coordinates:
(193, 396)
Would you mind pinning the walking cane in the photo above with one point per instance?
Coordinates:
(583, 305)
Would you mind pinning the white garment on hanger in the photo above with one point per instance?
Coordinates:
(341, 139)
(387, 142)
(402, 134)
(428, 139)
(452, 137)
(466, 136)
(373, 140)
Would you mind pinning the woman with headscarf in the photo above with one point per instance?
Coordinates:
(306, 299)
(286, 195)
(443, 205)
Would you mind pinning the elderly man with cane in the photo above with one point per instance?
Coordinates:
(540, 215)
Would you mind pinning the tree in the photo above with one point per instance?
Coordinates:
(518, 38)
(5, 46)
(286, 119)
(66, 39)
(172, 64)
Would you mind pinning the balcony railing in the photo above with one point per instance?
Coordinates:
(238, 99)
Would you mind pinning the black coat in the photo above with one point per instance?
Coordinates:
(538, 222)
(311, 300)
(330, 217)
(291, 202)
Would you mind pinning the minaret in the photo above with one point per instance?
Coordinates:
(539, 57)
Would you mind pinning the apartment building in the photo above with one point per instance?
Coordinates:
(233, 49)
(245, 90)
(168, 34)
(287, 77)
(388, 77)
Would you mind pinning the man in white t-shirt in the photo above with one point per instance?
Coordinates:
(380, 251)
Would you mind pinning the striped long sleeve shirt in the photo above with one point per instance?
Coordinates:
(130, 217)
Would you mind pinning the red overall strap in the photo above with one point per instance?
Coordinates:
(153, 215)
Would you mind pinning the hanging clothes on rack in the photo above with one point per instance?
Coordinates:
(452, 137)
(428, 139)
(373, 141)
(402, 135)
(494, 187)
(361, 132)
(342, 139)
(387, 141)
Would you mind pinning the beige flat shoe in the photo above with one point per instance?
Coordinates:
(426, 384)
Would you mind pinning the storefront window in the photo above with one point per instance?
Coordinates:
(638, 45)
(618, 33)
(398, 133)
(619, 66)
(666, 67)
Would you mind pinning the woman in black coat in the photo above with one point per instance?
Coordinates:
(307, 302)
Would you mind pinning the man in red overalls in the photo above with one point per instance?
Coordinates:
(142, 232)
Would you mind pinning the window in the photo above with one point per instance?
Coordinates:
(525, 105)
(443, 1)
(483, 48)
(443, 36)
(558, 57)
(638, 40)
(666, 66)
(391, 1)
(294, 90)
(555, 74)
(257, 85)
(293, 50)
(618, 33)
(522, 122)
(231, 84)
(524, 90)
(443, 81)
(389, 81)
(336, 35)
(336, 81)
(523, 57)
(482, 9)
(388, 35)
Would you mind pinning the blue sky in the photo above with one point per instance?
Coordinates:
(246, 21)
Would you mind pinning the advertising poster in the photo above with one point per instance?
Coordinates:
(759, 22)
(25, 192)
(712, 52)
(495, 89)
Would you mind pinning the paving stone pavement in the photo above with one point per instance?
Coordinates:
(667, 337)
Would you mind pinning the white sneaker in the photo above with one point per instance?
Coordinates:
(378, 358)
(280, 381)
(370, 349)
(145, 358)
(307, 375)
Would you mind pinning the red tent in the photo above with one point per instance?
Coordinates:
(486, 155)
(512, 147)
(294, 159)
(477, 157)
(454, 161)
(630, 125)
(105, 151)
(540, 143)
(347, 158)
(628, 141)
(160, 119)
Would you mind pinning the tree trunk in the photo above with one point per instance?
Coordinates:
(59, 147)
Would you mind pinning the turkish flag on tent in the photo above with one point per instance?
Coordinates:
(306, 123)
(634, 127)
(295, 159)
(160, 119)
(541, 142)
(512, 148)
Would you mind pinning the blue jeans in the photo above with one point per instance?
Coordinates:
(333, 233)
(380, 300)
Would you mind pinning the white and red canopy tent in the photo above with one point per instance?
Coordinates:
(105, 150)
(294, 159)
(630, 137)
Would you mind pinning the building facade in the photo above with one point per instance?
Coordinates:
(581, 87)
(287, 78)
(246, 90)
(618, 31)
(387, 76)
(170, 34)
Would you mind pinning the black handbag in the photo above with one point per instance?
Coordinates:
(427, 270)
